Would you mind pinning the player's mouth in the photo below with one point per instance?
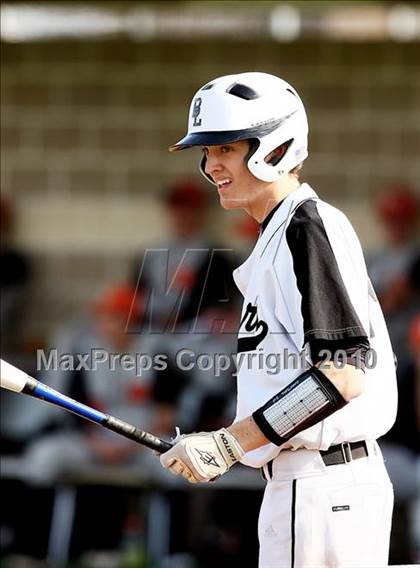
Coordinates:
(223, 184)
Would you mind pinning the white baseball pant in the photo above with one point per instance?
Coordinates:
(336, 516)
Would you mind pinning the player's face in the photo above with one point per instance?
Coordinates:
(236, 186)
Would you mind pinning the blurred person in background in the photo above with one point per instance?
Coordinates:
(414, 517)
(200, 386)
(113, 389)
(191, 301)
(188, 274)
(14, 288)
(394, 271)
(398, 213)
(188, 289)
(61, 444)
(400, 445)
(13, 282)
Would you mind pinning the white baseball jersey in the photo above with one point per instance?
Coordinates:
(306, 279)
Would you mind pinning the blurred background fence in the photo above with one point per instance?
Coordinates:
(86, 123)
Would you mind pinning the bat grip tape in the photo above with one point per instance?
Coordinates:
(135, 434)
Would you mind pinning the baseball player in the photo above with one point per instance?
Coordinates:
(311, 424)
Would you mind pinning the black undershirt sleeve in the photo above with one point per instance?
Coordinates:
(355, 350)
(327, 311)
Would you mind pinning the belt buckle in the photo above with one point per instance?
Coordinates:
(346, 451)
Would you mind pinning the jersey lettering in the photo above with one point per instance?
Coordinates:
(252, 324)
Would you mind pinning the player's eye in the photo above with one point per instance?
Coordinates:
(225, 149)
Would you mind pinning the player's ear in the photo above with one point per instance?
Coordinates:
(274, 157)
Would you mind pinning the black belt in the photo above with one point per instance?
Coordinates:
(344, 453)
(335, 455)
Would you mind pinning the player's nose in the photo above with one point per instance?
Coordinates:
(213, 164)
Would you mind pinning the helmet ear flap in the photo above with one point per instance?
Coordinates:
(254, 144)
(202, 167)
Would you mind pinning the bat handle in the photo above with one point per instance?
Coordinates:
(39, 390)
(135, 434)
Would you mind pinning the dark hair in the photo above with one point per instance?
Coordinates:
(277, 154)
(296, 170)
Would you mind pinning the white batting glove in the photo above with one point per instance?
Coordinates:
(204, 456)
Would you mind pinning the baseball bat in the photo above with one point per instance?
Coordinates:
(14, 379)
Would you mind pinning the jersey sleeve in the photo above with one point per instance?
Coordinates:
(355, 350)
(326, 308)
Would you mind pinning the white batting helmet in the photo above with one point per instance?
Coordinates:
(258, 107)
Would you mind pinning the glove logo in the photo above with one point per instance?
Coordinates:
(196, 112)
(228, 448)
(251, 324)
(207, 458)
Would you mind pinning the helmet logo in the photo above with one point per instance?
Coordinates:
(196, 112)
